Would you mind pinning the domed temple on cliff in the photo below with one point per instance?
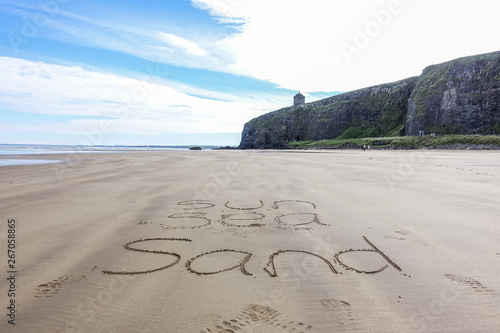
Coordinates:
(299, 99)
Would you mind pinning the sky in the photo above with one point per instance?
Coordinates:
(193, 72)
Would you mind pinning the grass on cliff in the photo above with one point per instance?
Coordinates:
(408, 142)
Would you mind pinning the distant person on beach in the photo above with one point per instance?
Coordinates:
(364, 147)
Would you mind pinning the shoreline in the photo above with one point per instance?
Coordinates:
(71, 157)
(64, 157)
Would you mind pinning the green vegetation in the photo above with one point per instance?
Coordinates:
(446, 129)
(405, 142)
(434, 82)
(493, 129)
(355, 132)
(397, 131)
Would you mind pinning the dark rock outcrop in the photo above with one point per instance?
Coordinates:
(460, 96)
(457, 97)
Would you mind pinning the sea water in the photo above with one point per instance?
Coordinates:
(16, 150)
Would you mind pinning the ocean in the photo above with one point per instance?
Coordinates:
(9, 152)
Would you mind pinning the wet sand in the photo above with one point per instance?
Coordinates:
(255, 241)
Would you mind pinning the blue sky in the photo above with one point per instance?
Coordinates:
(181, 72)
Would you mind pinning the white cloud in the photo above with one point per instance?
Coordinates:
(182, 43)
(226, 11)
(185, 48)
(94, 99)
(317, 45)
(301, 45)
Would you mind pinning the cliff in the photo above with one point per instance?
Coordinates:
(374, 111)
(461, 96)
(458, 97)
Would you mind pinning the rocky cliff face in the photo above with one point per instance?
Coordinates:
(461, 96)
(374, 111)
(458, 97)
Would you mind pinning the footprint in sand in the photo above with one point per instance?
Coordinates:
(255, 316)
(53, 287)
(343, 312)
(470, 282)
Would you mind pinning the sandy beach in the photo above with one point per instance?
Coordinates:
(254, 241)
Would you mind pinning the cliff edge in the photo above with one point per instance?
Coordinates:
(458, 97)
